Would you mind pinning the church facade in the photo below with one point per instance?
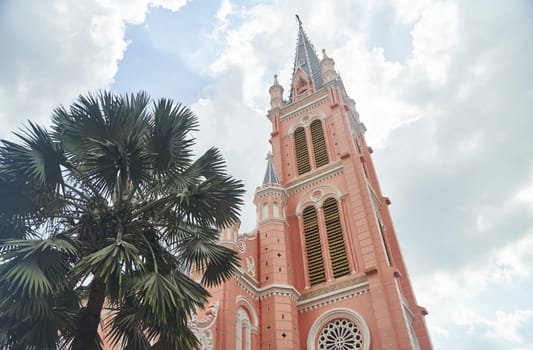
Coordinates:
(323, 269)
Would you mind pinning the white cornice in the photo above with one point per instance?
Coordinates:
(292, 109)
(262, 293)
(316, 177)
(333, 296)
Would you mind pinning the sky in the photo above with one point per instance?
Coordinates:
(445, 89)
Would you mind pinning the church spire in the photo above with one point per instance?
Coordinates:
(306, 59)
(270, 174)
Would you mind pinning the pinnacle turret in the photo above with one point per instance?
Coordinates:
(276, 94)
(327, 66)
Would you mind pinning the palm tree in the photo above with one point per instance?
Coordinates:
(109, 211)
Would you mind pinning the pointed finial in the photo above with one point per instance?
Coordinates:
(324, 55)
(269, 156)
(299, 20)
(276, 79)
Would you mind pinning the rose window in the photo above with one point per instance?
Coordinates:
(340, 334)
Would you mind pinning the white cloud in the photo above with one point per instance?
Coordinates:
(504, 266)
(525, 196)
(53, 51)
(434, 36)
(409, 10)
(503, 327)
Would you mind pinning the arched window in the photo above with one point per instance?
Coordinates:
(319, 144)
(243, 336)
(302, 155)
(264, 211)
(275, 209)
(337, 247)
(313, 248)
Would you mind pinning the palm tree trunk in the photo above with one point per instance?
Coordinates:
(90, 317)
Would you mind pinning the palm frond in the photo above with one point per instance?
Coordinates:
(35, 267)
(38, 159)
(114, 259)
(217, 262)
(170, 141)
(215, 201)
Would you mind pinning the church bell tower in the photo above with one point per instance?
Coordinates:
(330, 269)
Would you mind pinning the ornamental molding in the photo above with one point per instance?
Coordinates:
(308, 301)
(250, 265)
(332, 294)
(316, 196)
(280, 220)
(242, 300)
(247, 283)
(203, 328)
(240, 243)
(250, 286)
(306, 120)
(304, 105)
(315, 178)
(278, 290)
(269, 190)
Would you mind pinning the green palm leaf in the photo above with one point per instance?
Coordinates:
(109, 210)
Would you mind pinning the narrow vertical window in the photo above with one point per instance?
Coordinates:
(302, 155)
(319, 144)
(242, 336)
(264, 211)
(313, 248)
(337, 247)
(275, 209)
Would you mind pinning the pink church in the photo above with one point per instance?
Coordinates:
(323, 269)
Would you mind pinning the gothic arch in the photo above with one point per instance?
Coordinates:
(316, 196)
(241, 301)
(333, 314)
(243, 329)
(306, 120)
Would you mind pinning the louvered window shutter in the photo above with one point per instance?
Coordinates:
(302, 155)
(313, 248)
(337, 247)
(319, 144)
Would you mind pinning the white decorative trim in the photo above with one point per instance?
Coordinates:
(333, 297)
(250, 265)
(332, 314)
(251, 308)
(306, 120)
(202, 329)
(278, 289)
(269, 190)
(303, 105)
(316, 196)
(266, 292)
(240, 244)
(242, 321)
(306, 182)
(282, 220)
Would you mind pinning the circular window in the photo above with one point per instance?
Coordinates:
(340, 334)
